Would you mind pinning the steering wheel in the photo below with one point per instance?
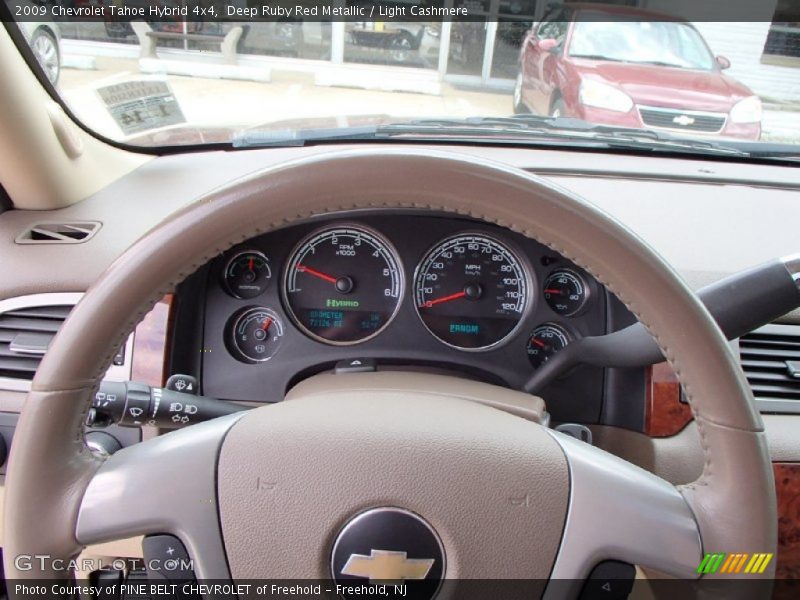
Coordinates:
(268, 493)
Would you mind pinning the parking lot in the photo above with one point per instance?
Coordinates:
(291, 95)
(288, 96)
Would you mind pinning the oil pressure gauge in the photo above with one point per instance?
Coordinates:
(255, 334)
(566, 292)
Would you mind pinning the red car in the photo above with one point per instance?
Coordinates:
(625, 67)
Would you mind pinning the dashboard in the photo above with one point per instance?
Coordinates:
(366, 290)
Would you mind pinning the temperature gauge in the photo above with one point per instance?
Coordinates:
(545, 341)
(255, 335)
(247, 274)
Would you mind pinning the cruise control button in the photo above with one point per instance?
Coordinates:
(165, 557)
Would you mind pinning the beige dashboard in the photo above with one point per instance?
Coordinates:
(707, 219)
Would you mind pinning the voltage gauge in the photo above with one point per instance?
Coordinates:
(247, 274)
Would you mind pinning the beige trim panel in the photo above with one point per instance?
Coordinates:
(46, 160)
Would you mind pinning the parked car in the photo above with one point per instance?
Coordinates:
(44, 38)
(624, 66)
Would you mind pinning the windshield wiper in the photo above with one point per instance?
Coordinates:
(528, 129)
(597, 57)
(264, 138)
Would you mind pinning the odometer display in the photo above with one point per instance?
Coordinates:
(471, 291)
(343, 285)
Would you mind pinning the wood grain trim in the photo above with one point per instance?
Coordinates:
(787, 488)
(151, 342)
(665, 414)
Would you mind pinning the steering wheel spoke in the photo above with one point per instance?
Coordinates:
(619, 511)
(163, 485)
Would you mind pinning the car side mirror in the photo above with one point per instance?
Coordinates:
(723, 62)
(547, 45)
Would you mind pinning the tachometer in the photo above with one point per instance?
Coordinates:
(343, 285)
(471, 291)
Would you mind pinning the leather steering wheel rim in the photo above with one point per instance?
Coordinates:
(733, 501)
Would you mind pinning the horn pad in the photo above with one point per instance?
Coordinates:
(493, 488)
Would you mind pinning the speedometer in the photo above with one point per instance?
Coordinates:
(343, 285)
(471, 291)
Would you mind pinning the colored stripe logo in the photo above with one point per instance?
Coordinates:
(735, 563)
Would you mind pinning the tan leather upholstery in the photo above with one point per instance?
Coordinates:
(523, 405)
(733, 500)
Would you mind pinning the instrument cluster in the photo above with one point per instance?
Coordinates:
(437, 291)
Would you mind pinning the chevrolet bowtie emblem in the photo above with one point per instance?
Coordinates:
(684, 120)
(387, 565)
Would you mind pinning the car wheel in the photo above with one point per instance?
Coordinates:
(558, 108)
(520, 107)
(400, 48)
(45, 48)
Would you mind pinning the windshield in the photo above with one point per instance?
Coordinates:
(660, 43)
(165, 73)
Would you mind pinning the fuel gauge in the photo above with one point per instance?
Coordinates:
(247, 274)
(255, 334)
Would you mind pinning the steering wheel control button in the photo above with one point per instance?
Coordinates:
(609, 580)
(355, 365)
(388, 546)
(185, 384)
(166, 558)
(101, 443)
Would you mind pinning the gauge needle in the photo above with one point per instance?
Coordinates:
(456, 296)
(266, 324)
(251, 263)
(539, 343)
(315, 273)
(552, 291)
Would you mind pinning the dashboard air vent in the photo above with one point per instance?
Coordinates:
(59, 233)
(771, 361)
(25, 334)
